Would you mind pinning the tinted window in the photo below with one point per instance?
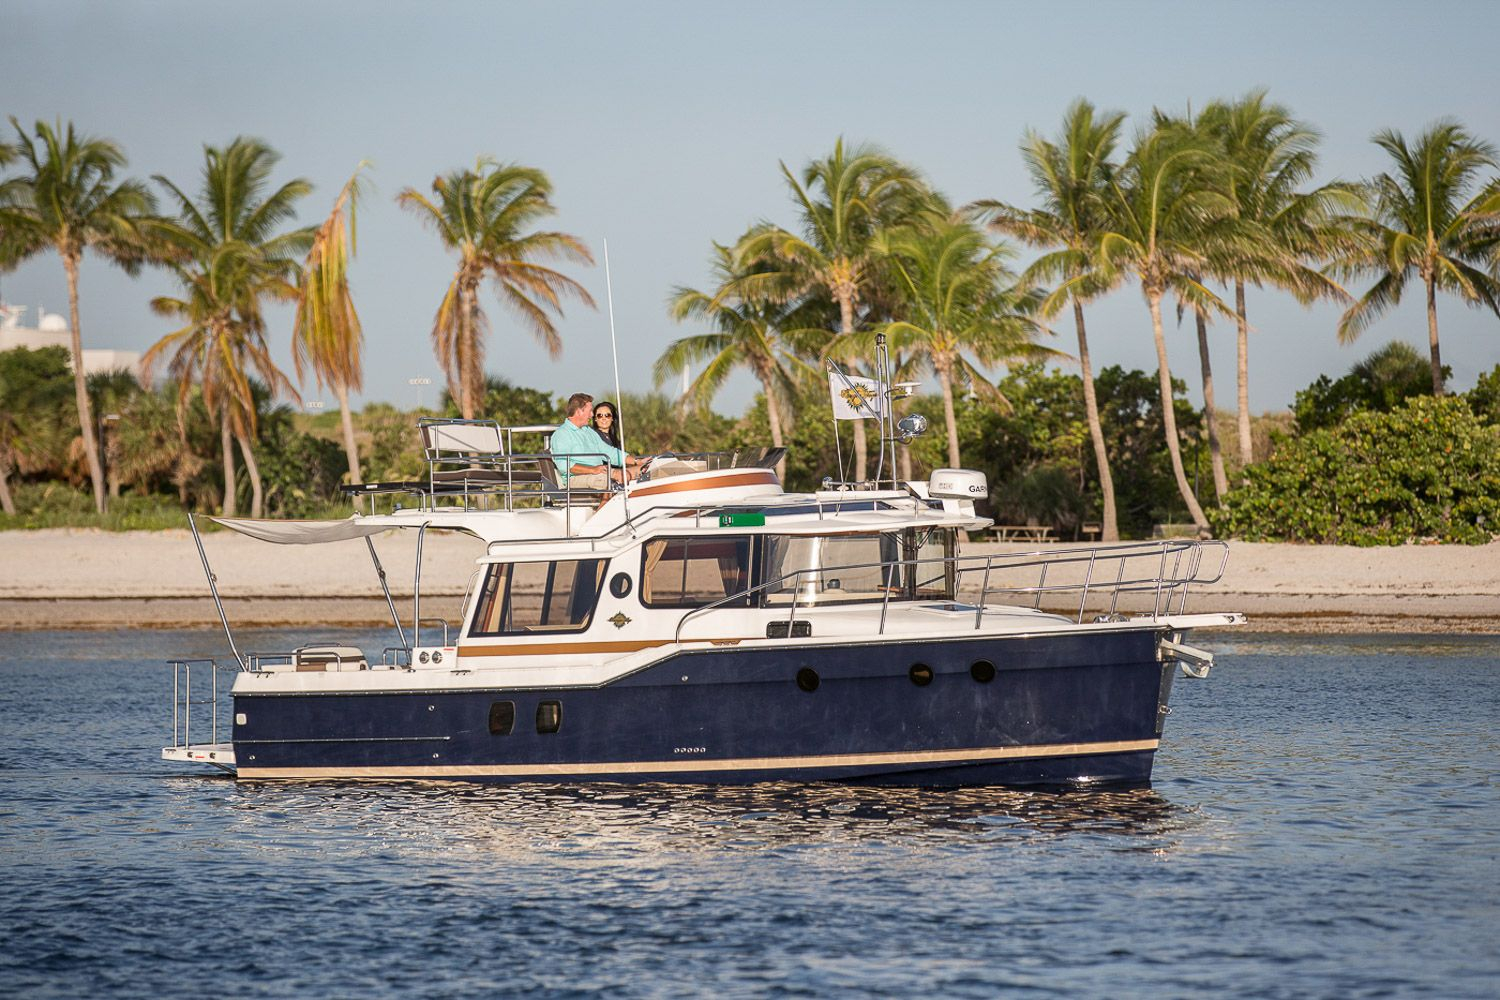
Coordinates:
(502, 718)
(692, 572)
(519, 598)
(549, 717)
(856, 568)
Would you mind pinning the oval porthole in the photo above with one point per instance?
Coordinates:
(807, 679)
(619, 584)
(982, 671)
(920, 674)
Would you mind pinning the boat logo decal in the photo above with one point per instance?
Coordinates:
(619, 620)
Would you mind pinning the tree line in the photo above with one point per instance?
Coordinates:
(1190, 208)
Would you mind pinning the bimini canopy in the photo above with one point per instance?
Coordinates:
(301, 532)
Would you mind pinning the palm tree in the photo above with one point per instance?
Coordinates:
(845, 199)
(110, 392)
(748, 332)
(483, 215)
(1425, 222)
(67, 200)
(959, 299)
(1272, 157)
(326, 334)
(230, 255)
(1159, 219)
(1071, 178)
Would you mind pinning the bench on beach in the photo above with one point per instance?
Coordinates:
(1023, 533)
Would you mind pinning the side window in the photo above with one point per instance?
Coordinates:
(549, 716)
(692, 572)
(522, 598)
(502, 717)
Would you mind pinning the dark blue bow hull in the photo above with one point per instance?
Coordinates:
(1081, 707)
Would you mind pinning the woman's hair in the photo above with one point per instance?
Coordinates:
(612, 432)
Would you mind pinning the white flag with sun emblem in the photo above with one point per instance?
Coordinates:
(855, 397)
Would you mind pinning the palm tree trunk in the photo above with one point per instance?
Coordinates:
(945, 380)
(351, 450)
(846, 327)
(1110, 526)
(467, 375)
(226, 442)
(1210, 415)
(80, 385)
(7, 504)
(1242, 374)
(1169, 417)
(257, 492)
(1432, 336)
(773, 416)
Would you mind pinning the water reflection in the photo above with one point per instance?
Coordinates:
(609, 818)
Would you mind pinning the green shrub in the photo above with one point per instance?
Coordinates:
(1429, 469)
(58, 505)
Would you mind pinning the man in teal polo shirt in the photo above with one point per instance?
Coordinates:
(580, 454)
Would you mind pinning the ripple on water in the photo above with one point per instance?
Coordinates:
(1324, 822)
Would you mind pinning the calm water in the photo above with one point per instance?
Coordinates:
(1325, 822)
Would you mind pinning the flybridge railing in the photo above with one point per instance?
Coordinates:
(1164, 571)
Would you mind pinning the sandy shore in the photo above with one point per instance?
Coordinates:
(95, 579)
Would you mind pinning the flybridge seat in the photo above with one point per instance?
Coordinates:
(472, 458)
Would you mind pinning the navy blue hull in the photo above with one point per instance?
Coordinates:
(1057, 710)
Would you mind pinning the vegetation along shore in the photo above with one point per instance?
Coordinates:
(1190, 209)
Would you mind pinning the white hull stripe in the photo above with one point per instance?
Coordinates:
(689, 764)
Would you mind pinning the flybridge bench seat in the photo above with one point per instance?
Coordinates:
(476, 457)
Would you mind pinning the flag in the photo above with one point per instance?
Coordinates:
(855, 397)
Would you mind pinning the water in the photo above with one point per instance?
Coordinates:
(1325, 822)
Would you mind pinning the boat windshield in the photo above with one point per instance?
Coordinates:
(859, 568)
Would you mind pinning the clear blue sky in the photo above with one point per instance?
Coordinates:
(661, 125)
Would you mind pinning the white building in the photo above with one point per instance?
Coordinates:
(51, 330)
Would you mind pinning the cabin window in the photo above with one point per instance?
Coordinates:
(545, 597)
(549, 717)
(858, 568)
(693, 571)
(502, 718)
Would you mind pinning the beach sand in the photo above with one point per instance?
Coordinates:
(68, 579)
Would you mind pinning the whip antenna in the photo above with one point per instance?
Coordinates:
(609, 295)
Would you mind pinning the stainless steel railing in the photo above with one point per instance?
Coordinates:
(1165, 570)
(183, 700)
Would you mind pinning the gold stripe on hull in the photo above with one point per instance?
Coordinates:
(681, 765)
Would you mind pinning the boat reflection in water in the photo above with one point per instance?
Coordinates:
(520, 820)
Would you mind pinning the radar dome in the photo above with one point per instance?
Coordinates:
(52, 323)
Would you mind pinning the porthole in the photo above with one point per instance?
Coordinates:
(982, 671)
(502, 718)
(549, 717)
(619, 585)
(920, 674)
(807, 679)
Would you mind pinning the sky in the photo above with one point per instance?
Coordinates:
(662, 127)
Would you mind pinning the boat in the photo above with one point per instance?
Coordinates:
(712, 627)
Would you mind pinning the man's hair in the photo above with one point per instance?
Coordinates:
(578, 401)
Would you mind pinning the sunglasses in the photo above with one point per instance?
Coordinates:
(605, 415)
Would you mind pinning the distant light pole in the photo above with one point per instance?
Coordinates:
(417, 384)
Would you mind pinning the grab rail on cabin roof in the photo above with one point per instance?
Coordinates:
(1165, 585)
